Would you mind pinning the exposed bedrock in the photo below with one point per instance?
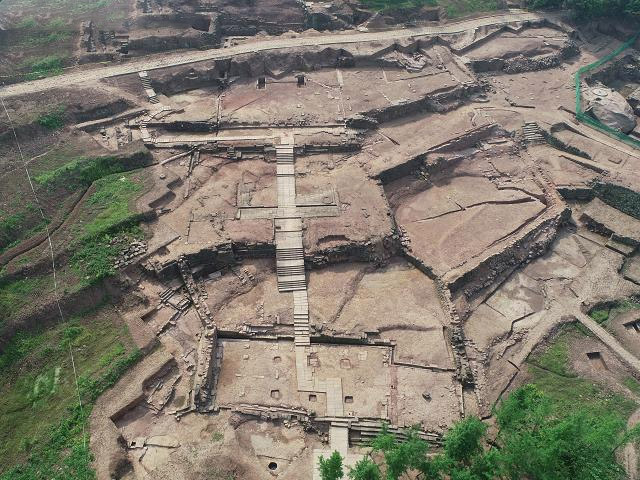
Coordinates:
(526, 62)
(610, 107)
(472, 242)
(178, 79)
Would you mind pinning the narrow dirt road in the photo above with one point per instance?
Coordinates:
(629, 454)
(185, 57)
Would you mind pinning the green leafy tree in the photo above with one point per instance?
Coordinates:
(539, 443)
(633, 7)
(464, 441)
(331, 468)
(365, 469)
(536, 441)
(401, 457)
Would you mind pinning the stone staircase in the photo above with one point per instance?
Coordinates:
(532, 133)
(289, 255)
(284, 154)
(146, 83)
(363, 431)
(301, 318)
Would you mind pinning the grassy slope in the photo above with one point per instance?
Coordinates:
(18, 294)
(48, 30)
(107, 221)
(112, 222)
(19, 217)
(454, 8)
(550, 371)
(41, 425)
(602, 313)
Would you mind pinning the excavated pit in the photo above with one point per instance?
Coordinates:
(342, 236)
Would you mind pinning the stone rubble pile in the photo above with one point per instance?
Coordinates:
(130, 253)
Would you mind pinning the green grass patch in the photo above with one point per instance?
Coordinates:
(632, 384)
(95, 256)
(10, 226)
(555, 358)
(42, 424)
(80, 172)
(399, 4)
(44, 67)
(117, 351)
(454, 8)
(16, 294)
(551, 373)
(603, 311)
(27, 23)
(111, 202)
(459, 8)
(112, 226)
(19, 225)
(54, 118)
(600, 315)
(57, 24)
(38, 39)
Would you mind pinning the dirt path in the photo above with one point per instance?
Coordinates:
(186, 57)
(609, 340)
(629, 454)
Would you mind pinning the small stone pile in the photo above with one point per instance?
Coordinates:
(129, 253)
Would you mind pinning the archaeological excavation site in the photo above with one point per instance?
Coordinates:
(253, 240)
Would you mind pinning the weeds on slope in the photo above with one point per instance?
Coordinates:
(42, 434)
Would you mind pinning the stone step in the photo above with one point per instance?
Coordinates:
(291, 286)
(291, 270)
(290, 254)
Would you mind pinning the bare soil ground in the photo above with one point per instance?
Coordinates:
(439, 223)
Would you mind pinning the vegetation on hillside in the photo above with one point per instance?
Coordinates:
(16, 294)
(535, 440)
(44, 433)
(113, 222)
(454, 8)
(80, 172)
(557, 427)
(15, 226)
(388, 4)
(48, 66)
(624, 199)
(588, 9)
(603, 311)
(54, 118)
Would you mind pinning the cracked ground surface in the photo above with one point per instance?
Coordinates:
(381, 243)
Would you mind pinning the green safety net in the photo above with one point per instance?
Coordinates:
(588, 119)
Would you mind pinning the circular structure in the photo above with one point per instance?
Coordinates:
(272, 465)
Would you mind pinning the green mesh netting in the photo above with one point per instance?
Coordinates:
(588, 119)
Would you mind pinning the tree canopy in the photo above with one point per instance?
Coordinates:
(588, 9)
(534, 441)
